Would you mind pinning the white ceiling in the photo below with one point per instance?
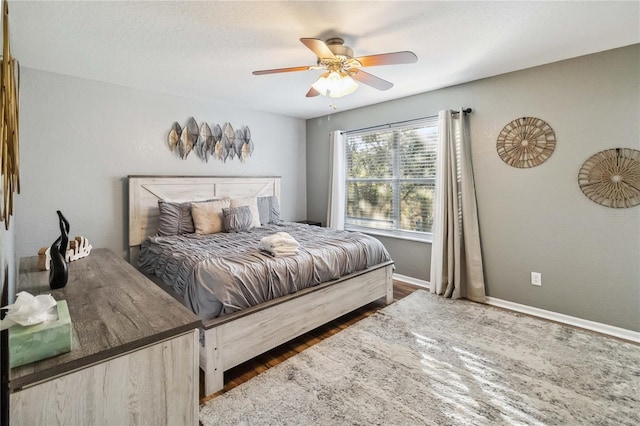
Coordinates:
(207, 50)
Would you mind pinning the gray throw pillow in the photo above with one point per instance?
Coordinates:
(269, 209)
(236, 219)
(175, 218)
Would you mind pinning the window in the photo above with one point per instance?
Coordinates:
(390, 178)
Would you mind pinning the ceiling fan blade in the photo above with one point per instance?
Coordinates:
(312, 92)
(405, 57)
(372, 80)
(277, 70)
(318, 47)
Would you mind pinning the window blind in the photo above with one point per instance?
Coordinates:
(390, 176)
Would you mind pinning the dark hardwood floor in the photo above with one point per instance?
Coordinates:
(255, 366)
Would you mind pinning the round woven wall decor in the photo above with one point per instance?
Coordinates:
(526, 142)
(612, 178)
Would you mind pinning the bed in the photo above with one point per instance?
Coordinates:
(236, 332)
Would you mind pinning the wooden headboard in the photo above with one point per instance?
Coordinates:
(145, 191)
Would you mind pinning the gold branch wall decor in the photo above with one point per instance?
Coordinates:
(612, 178)
(9, 108)
(526, 142)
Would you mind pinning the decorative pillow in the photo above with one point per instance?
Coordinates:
(252, 202)
(175, 218)
(207, 216)
(236, 219)
(269, 209)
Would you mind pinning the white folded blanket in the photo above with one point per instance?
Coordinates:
(283, 252)
(279, 240)
(280, 244)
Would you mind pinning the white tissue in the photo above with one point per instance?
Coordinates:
(29, 310)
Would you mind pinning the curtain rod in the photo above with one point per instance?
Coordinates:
(382, 126)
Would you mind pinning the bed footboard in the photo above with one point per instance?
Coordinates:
(236, 338)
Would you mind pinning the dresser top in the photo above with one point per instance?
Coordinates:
(114, 309)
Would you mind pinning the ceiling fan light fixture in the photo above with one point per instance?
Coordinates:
(347, 86)
(335, 84)
(322, 84)
(341, 66)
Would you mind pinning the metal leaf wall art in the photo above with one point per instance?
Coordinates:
(174, 136)
(204, 142)
(188, 138)
(219, 142)
(228, 137)
(219, 150)
(244, 144)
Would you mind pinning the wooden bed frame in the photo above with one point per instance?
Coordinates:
(235, 338)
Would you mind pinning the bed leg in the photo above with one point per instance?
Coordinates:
(389, 284)
(210, 363)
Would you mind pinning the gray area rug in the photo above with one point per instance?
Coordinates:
(430, 360)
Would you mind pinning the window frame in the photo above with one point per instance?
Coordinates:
(395, 181)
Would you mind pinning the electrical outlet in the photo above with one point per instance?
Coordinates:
(536, 278)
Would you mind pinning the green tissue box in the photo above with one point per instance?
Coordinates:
(44, 340)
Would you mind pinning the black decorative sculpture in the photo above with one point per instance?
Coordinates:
(59, 272)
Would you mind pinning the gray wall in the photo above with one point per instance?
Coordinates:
(81, 138)
(533, 219)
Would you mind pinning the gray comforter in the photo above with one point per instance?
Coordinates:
(221, 273)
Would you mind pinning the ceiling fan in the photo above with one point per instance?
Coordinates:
(341, 68)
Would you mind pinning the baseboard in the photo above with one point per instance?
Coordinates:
(621, 333)
(598, 327)
(410, 280)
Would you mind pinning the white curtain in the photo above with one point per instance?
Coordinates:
(456, 257)
(336, 205)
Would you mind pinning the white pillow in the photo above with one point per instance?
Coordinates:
(252, 202)
(207, 216)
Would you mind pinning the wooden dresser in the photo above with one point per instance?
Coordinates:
(134, 354)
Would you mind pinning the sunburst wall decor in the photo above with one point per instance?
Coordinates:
(526, 142)
(612, 178)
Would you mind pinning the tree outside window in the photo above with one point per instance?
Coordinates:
(390, 177)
